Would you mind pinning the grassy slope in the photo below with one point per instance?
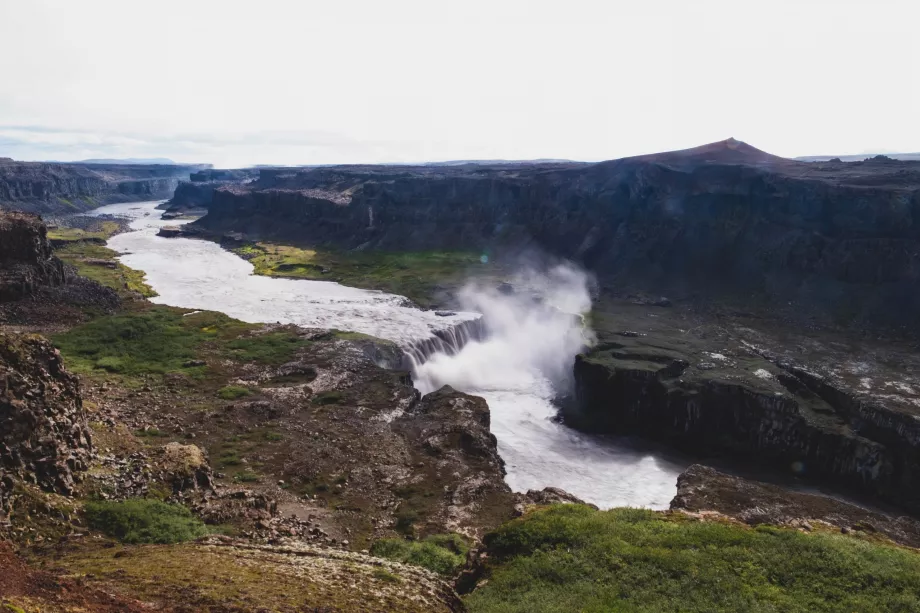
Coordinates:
(572, 558)
(416, 275)
(156, 340)
(98, 263)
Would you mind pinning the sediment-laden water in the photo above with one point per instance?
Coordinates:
(516, 366)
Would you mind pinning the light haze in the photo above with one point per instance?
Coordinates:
(273, 82)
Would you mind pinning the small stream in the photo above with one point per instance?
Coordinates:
(538, 451)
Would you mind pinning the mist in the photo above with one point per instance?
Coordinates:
(534, 328)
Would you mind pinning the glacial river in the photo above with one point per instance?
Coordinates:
(538, 452)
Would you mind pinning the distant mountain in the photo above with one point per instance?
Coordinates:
(914, 157)
(495, 162)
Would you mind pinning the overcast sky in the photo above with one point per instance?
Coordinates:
(300, 82)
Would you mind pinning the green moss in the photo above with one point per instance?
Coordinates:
(573, 558)
(233, 392)
(440, 553)
(246, 476)
(415, 274)
(153, 341)
(141, 520)
(158, 339)
(12, 608)
(100, 231)
(273, 348)
(98, 263)
(328, 397)
(385, 575)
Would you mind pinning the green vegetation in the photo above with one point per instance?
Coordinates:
(573, 558)
(385, 575)
(233, 392)
(99, 232)
(273, 348)
(413, 274)
(440, 553)
(246, 476)
(98, 263)
(328, 397)
(155, 340)
(141, 520)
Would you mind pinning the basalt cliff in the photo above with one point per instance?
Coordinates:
(832, 240)
(193, 197)
(52, 188)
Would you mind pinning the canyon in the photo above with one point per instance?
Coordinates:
(737, 310)
(832, 243)
(65, 188)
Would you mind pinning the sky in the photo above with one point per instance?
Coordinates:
(362, 81)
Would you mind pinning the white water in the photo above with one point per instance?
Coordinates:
(518, 369)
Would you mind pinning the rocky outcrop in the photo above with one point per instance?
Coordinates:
(837, 240)
(26, 259)
(449, 432)
(44, 438)
(68, 188)
(750, 404)
(194, 197)
(701, 489)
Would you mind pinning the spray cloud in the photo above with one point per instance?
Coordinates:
(534, 328)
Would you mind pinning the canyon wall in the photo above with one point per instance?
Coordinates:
(26, 258)
(842, 239)
(194, 196)
(68, 188)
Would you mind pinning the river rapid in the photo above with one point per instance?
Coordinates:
(517, 368)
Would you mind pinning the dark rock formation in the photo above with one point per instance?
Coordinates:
(44, 438)
(194, 196)
(728, 220)
(703, 489)
(729, 396)
(67, 188)
(450, 430)
(36, 288)
(26, 259)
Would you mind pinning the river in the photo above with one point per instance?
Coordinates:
(537, 450)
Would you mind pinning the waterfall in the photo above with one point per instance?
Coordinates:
(448, 341)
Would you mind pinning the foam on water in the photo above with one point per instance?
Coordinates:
(518, 356)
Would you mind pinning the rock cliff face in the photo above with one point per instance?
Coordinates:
(716, 388)
(841, 239)
(26, 259)
(67, 188)
(194, 196)
(44, 438)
